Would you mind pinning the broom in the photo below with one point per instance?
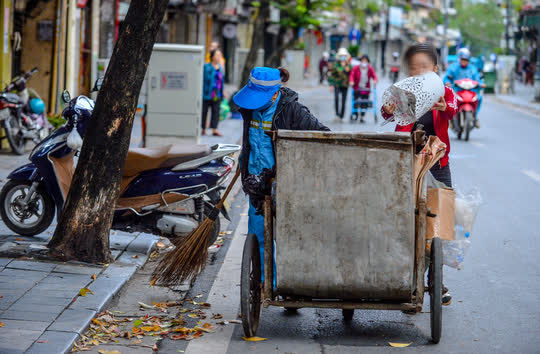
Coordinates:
(189, 257)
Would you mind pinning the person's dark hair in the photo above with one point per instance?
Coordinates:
(365, 56)
(425, 48)
(284, 73)
(212, 53)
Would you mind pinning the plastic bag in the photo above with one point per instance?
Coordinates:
(224, 109)
(467, 206)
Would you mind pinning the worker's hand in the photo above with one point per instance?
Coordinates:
(331, 88)
(483, 86)
(389, 108)
(440, 105)
(449, 84)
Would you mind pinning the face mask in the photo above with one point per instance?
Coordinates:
(343, 58)
(364, 65)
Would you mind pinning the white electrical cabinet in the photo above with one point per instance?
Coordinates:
(174, 91)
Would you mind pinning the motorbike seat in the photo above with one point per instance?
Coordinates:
(144, 159)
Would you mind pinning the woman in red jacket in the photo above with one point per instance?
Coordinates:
(360, 79)
(421, 58)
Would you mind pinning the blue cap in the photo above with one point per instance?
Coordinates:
(262, 84)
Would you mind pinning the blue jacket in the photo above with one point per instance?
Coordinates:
(209, 76)
(457, 72)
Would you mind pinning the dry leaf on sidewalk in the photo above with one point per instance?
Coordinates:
(399, 345)
(253, 339)
(93, 276)
(103, 351)
(1, 324)
(85, 291)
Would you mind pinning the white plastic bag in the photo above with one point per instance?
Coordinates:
(467, 206)
(413, 97)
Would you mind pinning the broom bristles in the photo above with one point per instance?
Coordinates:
(188, 259)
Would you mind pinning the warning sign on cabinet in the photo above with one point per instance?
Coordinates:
(173, 81)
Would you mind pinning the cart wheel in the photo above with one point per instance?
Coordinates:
(348, 314)
(435, 289)
(250, 286)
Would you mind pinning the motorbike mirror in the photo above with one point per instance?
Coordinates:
(66, 97)
(97, 85)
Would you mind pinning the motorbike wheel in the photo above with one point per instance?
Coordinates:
(468, 124)
(14, 134)
(457, 126)
(29, 221)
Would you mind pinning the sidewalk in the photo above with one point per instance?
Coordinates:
(42, 306)
(523, 98)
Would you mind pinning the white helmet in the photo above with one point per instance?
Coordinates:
(464, 53)
(395, 54)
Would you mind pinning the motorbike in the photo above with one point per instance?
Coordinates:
(165, 191)
(467, 100)
(394, 73)
(22, 114)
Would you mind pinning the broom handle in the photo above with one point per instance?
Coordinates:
(229, 188)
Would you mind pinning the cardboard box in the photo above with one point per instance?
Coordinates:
(441, 202)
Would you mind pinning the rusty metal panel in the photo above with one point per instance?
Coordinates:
(345, 215)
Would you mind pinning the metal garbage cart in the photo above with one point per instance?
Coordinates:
(343, 230)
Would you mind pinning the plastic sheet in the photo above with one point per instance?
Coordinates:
(467, 206)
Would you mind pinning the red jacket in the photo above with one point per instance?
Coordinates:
(356, 74)
(440, 122)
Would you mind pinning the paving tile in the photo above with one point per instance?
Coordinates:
(115, 253)
(103, 290)
(27, 325)
(52, 293)
(29, 316)
(31, 265)
(64, 279)
(144, 243)
(8, 300)
(17, 283)
(53, 342)
(120, 241)
(76, 269)
(119, 271)
(22, 274)
(37, 307)
(44, 300)
(5, 261)
(17, 340)
(73, 321)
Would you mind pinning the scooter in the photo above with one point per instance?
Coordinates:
(467, 99)
(166, 191)
(394, 73)
(22, 114)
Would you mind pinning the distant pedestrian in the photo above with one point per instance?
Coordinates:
(212, 91)
(338, 77)
(362, 78)
(215, 46)
(323, 67)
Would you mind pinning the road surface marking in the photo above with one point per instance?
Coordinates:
(224, 295)
(534, 175)
(477, 144)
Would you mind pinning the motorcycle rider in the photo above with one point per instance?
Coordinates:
(266, 106)
(462, 70)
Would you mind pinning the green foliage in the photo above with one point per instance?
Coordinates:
(304, 13)
(437, 18)
(353, 50)
(56, 120)
(481, 24)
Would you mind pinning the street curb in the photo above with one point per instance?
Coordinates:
(528, 109)
(75, 319)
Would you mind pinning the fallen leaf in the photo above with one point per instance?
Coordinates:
(42, 341)
(217, 316)
(399, 345)
(1, 324)
(135, 256)
(223, 323)
(143, 305)
(19, 239)
(136, 341)
(178, 336)
(253, 339)
(151, 328)
(85, 291)
(94, 342)
(153, 282)
(183, 310)
(155, 348)
(137, 323)
(192, 315)
(235, 321)
(107, 319)
(103, 351)
(198, 296)
(204, 304)
(160, 244)
(118, 312)
(1, 296)
(93, 276)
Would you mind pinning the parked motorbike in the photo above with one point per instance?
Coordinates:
(22, 114)
(166, 191)
(467, 99)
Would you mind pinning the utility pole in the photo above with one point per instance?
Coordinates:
(445, 35)
(507, 32)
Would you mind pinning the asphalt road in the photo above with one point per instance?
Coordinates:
(495, 297)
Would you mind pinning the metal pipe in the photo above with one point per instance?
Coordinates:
(343, 305)
(268, 250)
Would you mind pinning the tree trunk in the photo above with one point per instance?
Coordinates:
(257, 40)
(83, 229)
(275, 58)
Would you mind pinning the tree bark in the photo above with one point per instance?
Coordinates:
(83, 229)
(257, 40)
